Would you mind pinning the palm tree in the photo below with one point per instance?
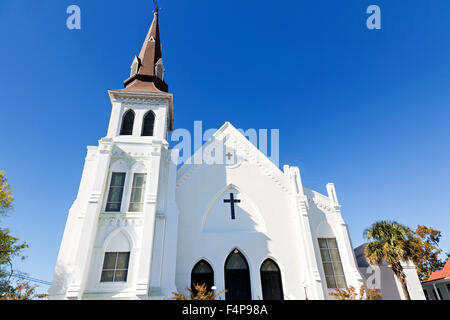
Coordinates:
(390, 243)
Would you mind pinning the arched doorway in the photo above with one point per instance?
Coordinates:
(272, 287)
(202, 273)
(237, 277)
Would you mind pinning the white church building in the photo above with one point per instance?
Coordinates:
(142, 228)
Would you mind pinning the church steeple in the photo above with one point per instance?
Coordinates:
(147, 69)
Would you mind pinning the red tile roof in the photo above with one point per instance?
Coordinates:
(441, 274)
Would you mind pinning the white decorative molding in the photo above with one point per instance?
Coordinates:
(72, 291)
(154, 102)
(95, 197)
(151, 198)
(324, 205)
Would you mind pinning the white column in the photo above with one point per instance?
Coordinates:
(347, 254)
(146, 245)
(115, 120)
(312, 280)
(88, 232)
(436, 292)
(171, 228)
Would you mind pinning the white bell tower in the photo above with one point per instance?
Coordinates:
(121, 232)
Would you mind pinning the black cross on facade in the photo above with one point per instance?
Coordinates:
(232, 201)
(229, 155)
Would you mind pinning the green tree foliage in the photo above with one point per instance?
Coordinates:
(6, 197)
(391, 242)
(427, 241)
(10, 247)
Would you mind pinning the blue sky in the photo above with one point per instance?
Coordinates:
(366, 109)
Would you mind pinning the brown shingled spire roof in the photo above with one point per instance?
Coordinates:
(147, 70)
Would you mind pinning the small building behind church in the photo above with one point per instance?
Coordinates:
(142, 228)
(437, 286)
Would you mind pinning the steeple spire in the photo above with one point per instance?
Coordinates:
(147, 69)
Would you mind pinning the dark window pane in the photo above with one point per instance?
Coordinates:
(337, 268)
(127, 123)
(334, 253)
(202, 273)
(137, 195)
(272, 288)
(332, 243)
(331, 261)
(328, 268)
(121, 276)
(269, 265)
(331, 283)
(323, 243)
(113, 207)
(237, 277)
(139, 180)
(202, 267)
(122, 260)
(236, 261)
(340, 282)
(325, 255)
(136, 207)
(118, 179)
(148, 123)
(110, 260)
(115, 192)
(107, 276)
(115, 266)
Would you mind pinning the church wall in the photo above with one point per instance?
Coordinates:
(272, 236)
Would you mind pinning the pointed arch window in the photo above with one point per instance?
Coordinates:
(332, 264)
(237, 277)
(115, 267)
(127, 123)
(148, 124)
(272, 287)
(202, 273)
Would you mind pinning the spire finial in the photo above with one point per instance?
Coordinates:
(156, 7)
(147, 69)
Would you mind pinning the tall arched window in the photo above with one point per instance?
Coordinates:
(148, 124)
(237, 277)
(202, 273)
(272, 287)
(127, 123)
